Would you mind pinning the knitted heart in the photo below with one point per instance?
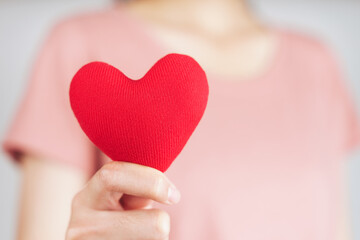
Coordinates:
(146, 121)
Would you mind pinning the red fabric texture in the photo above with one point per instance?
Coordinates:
(146, 121)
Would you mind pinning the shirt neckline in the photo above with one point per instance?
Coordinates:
(140, 27)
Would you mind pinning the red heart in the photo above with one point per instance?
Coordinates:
(146, 121)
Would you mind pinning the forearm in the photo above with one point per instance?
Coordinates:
(47, 191)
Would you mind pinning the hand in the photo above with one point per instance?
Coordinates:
(115, 204)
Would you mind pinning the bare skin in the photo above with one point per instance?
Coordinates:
(224, 30)
(46, 194)
(224, 37)
(97, 214)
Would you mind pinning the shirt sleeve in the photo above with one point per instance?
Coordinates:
(343, 106)
(44, 124)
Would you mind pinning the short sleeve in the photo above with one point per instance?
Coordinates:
(343, 106)
(44, 124)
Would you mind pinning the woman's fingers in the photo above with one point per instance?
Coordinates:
(129, 202)
(106, 187)
(135, 224)
(122, 186)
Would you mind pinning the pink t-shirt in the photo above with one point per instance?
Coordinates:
(264, 161)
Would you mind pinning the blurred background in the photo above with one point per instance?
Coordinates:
(24, 24)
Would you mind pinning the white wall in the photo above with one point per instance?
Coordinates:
(24, 23)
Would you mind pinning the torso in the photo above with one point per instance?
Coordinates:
(264, 161)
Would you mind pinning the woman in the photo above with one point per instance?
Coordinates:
(265, 162)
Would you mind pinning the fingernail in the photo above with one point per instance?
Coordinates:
(173, 195)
